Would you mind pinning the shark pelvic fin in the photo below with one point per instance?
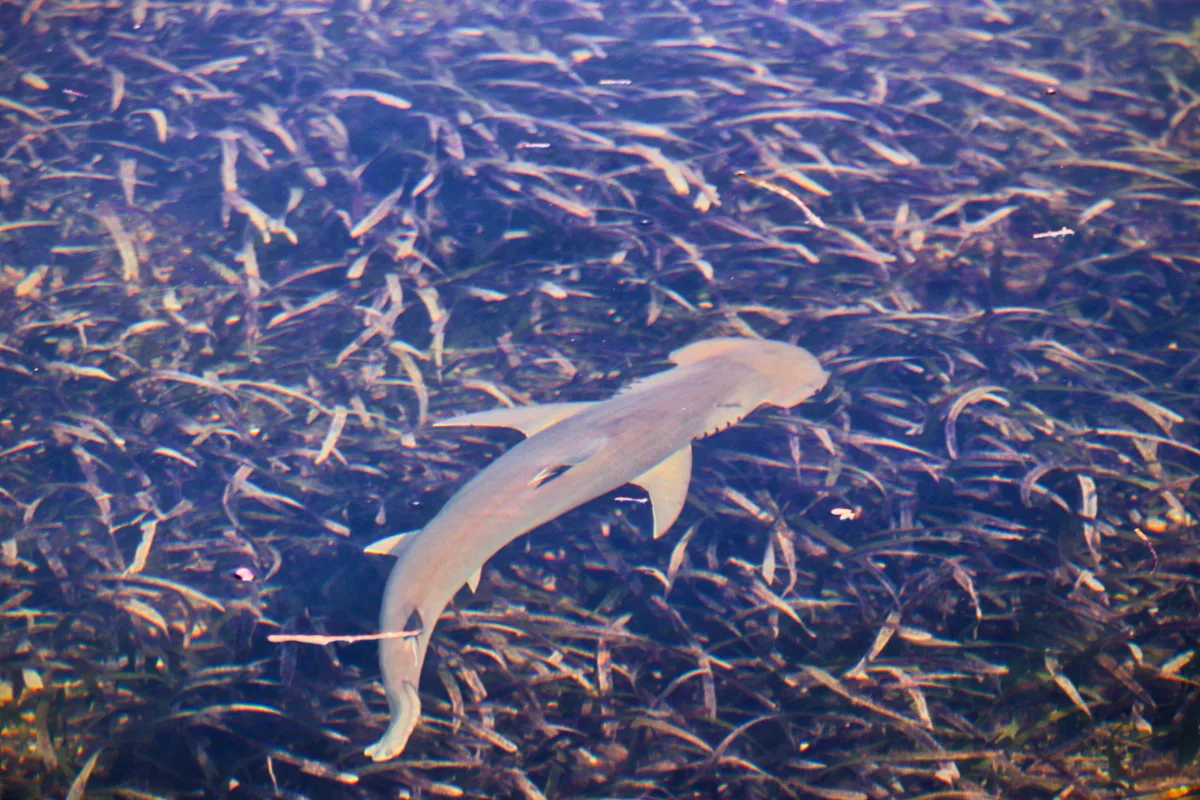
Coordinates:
(667, 483)
(526, 419)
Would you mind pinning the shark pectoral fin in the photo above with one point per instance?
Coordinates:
(667, 484)
(526, 419)
(474, 580)
(393, 545)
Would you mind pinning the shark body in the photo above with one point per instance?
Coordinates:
(575, 452)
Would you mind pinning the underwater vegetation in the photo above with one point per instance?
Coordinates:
(251, 252)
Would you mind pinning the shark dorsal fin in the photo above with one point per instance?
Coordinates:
(526, 419)
(667, 484)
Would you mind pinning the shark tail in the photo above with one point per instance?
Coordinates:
(405, 706)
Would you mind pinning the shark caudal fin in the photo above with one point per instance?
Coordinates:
(405, 705)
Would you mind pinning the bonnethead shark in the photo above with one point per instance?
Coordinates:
(574, 453)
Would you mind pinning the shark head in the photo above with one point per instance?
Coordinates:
(790, 374)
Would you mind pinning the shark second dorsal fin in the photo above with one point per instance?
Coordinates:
(667, 483)
(526, 419)
(393, 545)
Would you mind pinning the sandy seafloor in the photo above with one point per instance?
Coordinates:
(250, 251)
